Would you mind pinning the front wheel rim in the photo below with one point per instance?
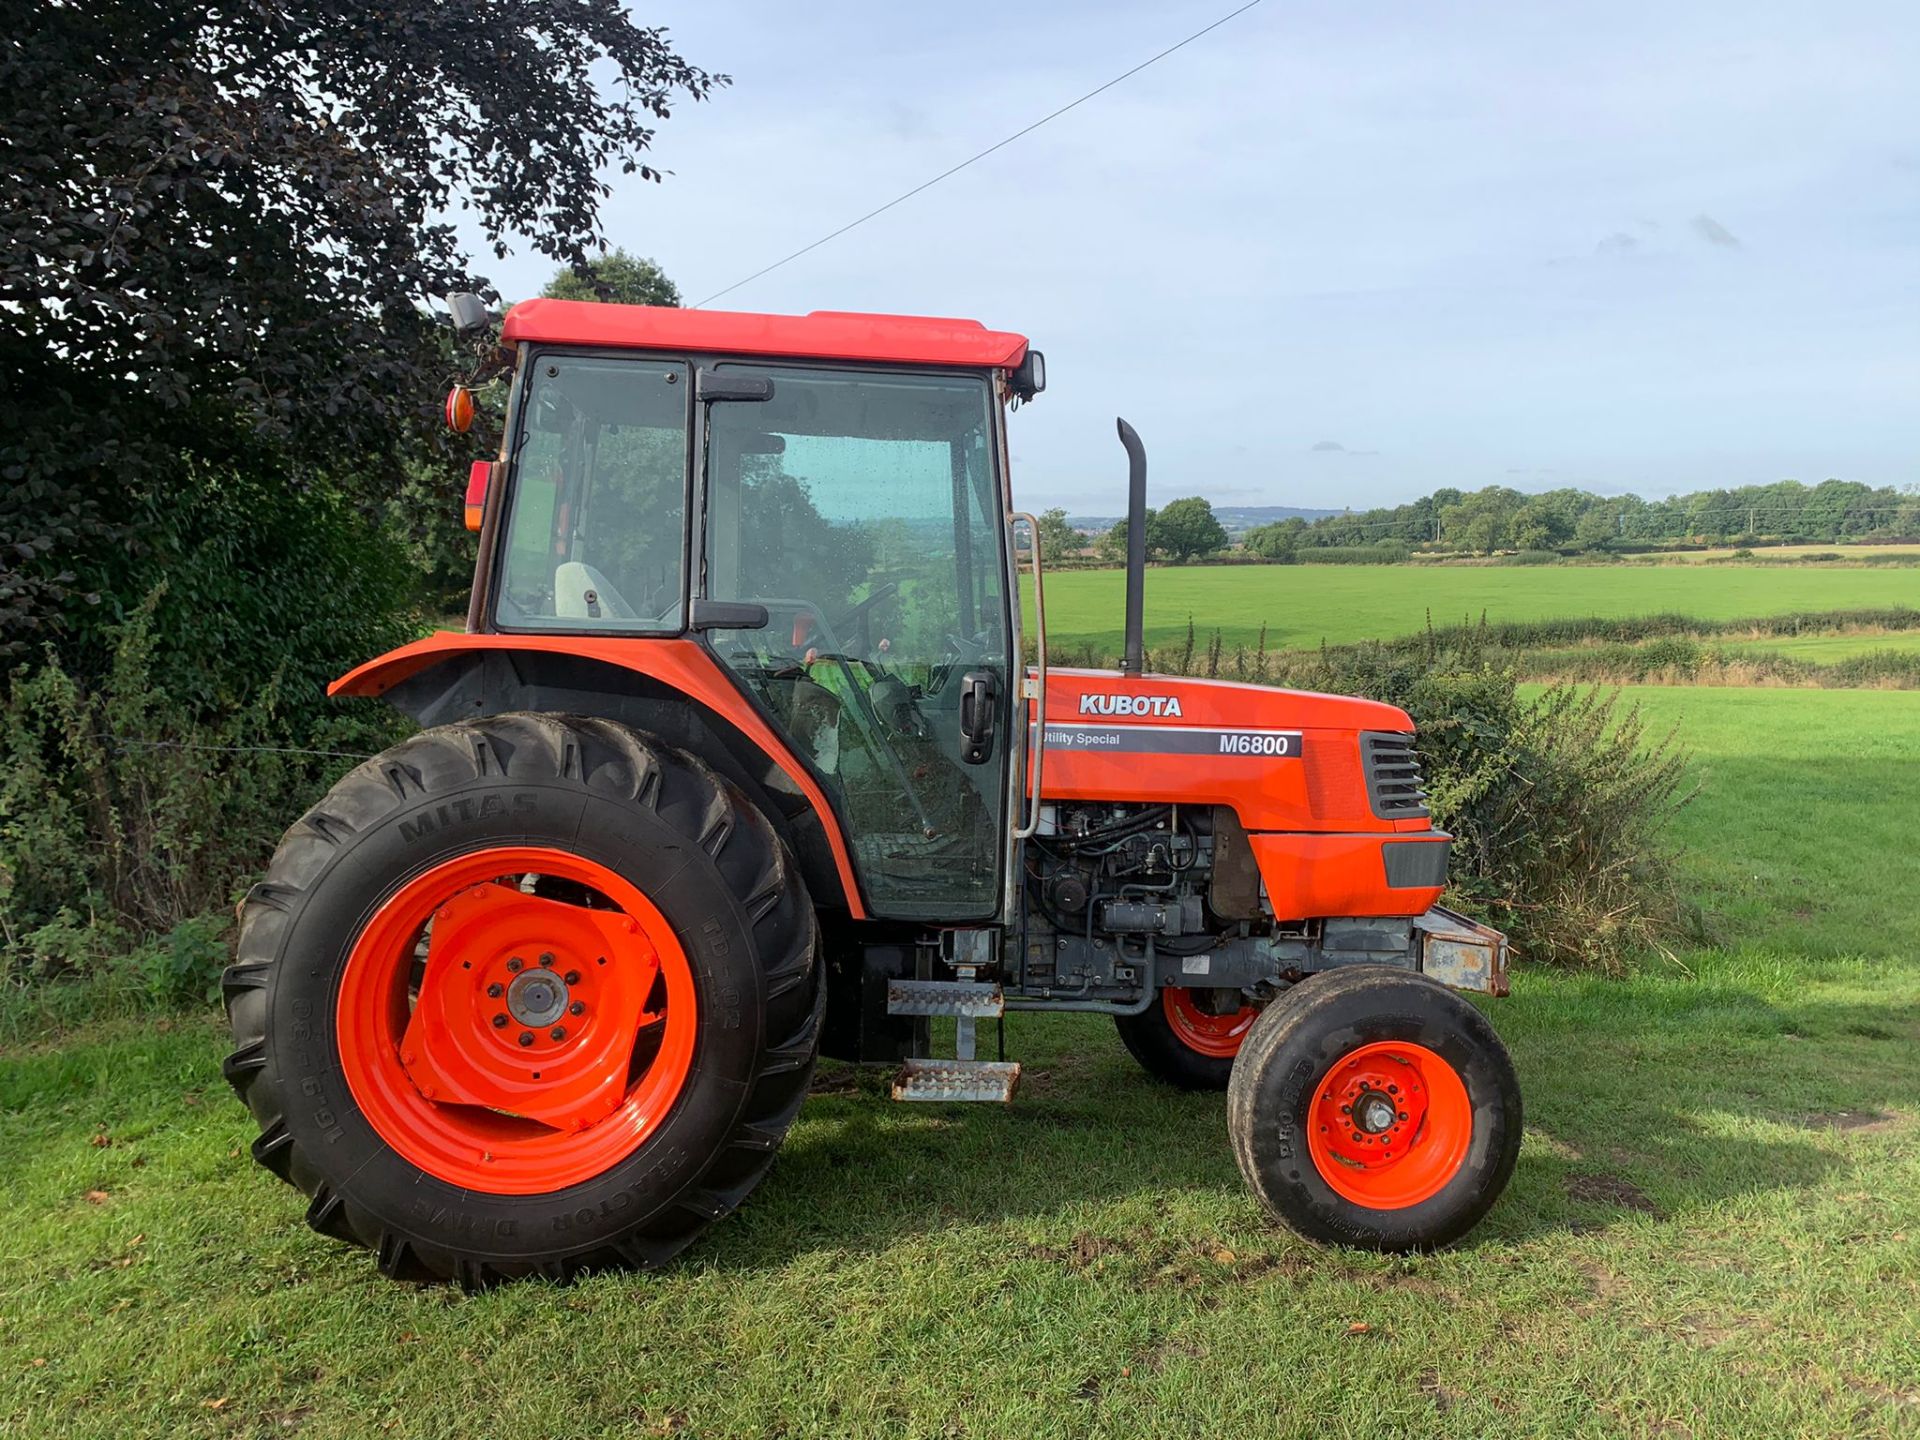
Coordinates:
(1218, 1037)
(511, 1043)
(1389, 1125)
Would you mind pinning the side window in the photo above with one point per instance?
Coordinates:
(596, 528)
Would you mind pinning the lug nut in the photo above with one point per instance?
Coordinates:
(500, 1022)
(578, 1009)
(496, 990)
(572, 977)
(516, 964)
(526, 1037)
(559, 1032)
(546, 961)
(1393, 1089)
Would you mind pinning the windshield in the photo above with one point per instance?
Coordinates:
(861, 510)
(596, 528)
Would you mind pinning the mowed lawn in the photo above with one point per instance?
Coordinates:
(1714, 1229)
(1303, 605)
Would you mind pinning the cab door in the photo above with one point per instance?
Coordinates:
(861, 510)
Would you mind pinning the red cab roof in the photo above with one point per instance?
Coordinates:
(822, 335)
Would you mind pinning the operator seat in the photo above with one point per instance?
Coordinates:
(581, 592)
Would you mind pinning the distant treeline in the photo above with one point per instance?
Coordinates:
(1497, 518)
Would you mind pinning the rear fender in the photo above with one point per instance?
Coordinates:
(670, 688)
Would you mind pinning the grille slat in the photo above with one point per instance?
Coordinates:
(1395, 788)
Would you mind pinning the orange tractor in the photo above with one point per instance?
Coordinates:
(738, 763)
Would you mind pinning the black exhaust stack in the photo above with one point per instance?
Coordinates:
(1133, 661)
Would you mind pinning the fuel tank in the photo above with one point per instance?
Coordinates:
(1327, 787)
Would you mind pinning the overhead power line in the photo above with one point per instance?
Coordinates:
(981, 155)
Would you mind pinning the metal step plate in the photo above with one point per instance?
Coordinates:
(957, 1080)
(976, 998)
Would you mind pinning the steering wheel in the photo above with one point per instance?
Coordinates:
(855, 622)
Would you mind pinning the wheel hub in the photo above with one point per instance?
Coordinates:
(529, 1007)
(1370, 1110)
(537, 997)
(1373, 1112)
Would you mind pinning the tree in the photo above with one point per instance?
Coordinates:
(1058, 540)
(1186, 529)
(618, 279)
(1537, 525)
(1112, 544)
(1481, 521)
(218, 233)
(1279, 540)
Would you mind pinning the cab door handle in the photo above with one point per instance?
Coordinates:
(979, 703)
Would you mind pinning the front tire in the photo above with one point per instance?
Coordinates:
(1375, 1108)
(1187, 1037)
(528, 995)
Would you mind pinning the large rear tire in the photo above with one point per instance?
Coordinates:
(527, 995)
(1375, 1108)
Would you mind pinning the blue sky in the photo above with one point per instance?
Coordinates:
(1336, 253)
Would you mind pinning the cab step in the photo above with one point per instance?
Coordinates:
(992, 1080)
(969, 999)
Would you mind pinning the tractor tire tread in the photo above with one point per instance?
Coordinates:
(603, 758)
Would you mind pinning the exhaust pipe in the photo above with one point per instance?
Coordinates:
(1133, 659)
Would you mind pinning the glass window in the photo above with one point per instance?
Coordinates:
(596, 529)
(861, 510)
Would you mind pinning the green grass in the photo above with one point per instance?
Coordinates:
(1302, 605)
(1714, 1229)
(1825, 649)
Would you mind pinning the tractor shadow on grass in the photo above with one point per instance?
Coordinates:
(1643, 1102)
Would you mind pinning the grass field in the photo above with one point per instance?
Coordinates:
(1714, 1229)
(1791, 552)
(1825, 649)
(1302, 605)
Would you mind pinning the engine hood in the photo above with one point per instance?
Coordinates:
(1073, 695)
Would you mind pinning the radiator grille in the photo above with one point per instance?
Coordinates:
(1394, 785)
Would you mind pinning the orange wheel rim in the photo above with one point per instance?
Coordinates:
(1217, 1036)
(511, 1042)
(1389, 1125)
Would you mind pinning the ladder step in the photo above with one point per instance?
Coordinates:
(975, 999)
(957, 1080)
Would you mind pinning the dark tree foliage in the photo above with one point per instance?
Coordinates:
(219, 229)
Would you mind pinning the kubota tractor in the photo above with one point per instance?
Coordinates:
(737, 763)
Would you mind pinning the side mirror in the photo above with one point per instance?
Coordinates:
(469, 312)
(1029, 376)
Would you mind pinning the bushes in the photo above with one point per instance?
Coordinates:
(1558, 805)
(129, 816)
(1389, 553)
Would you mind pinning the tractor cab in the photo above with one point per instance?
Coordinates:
(832, 531)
